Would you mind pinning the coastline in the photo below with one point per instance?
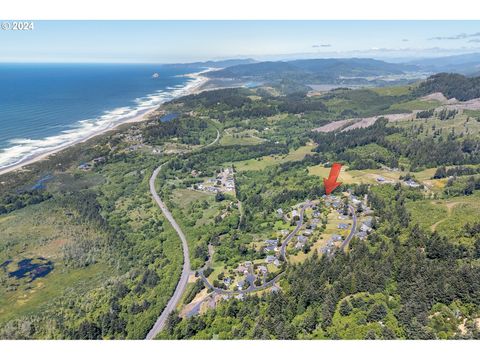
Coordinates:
(194, 87)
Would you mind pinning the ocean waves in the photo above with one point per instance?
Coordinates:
(22, 150)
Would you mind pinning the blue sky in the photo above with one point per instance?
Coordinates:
(183, 41)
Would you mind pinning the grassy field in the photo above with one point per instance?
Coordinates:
(392, 90)
(184, 197)
(262, 163)
(416, 105)
(247, 137)
(34, 297)
(42, 230)
(446, 216)
(370, 176)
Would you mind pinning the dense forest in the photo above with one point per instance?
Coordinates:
(402, 283)
(455, 86)
(117, 259)
(374, 146)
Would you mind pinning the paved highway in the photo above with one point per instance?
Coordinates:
(186, 270)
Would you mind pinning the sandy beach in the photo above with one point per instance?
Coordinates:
(192, 88)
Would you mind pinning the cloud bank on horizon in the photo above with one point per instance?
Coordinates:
(185, 41)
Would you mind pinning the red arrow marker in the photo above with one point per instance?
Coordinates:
(331, 183)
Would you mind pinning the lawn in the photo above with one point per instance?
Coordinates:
(247, 137)
(262, 163)
(367, 176)
(184, 197)
(370, 176)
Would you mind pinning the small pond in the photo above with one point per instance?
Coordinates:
(29, 268)
(168, 117)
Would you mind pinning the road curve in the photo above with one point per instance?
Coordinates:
(283, 248)
(186, 270)
(282, 254)
(266, 285)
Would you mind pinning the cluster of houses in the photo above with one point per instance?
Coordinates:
(224, 182)
(409, 182)
(272, 252)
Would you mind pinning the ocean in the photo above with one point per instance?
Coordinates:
(44, 107)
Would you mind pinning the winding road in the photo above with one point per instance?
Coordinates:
(283, 248)
(186, 270)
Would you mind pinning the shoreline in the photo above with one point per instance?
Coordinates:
(198, 80)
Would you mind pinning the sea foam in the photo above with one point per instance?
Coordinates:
(21, 150)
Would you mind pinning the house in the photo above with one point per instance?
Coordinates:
(380, 179)
(85, 166)
(365, 228)
(276, 263)
(280, 212)
(242, 269)
(272, 242)
(299, 245)
(362, 235)
(263, 269)
(343, 226)
(284, 232)
(356, 202)
(240, 284)
(336, 237)
(302, 239)
(411, 183)
(308, 232)
(368, 222)
(240, 296)
(294, 213)
(99, 160)
(227, 281)
(270, 259)
(270, 248)
(316, 214)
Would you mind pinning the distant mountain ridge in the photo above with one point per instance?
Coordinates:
(466, 64)
(313, 70)
(215, 63)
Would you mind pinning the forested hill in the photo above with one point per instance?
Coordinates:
(313, 69)
(452, 86)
